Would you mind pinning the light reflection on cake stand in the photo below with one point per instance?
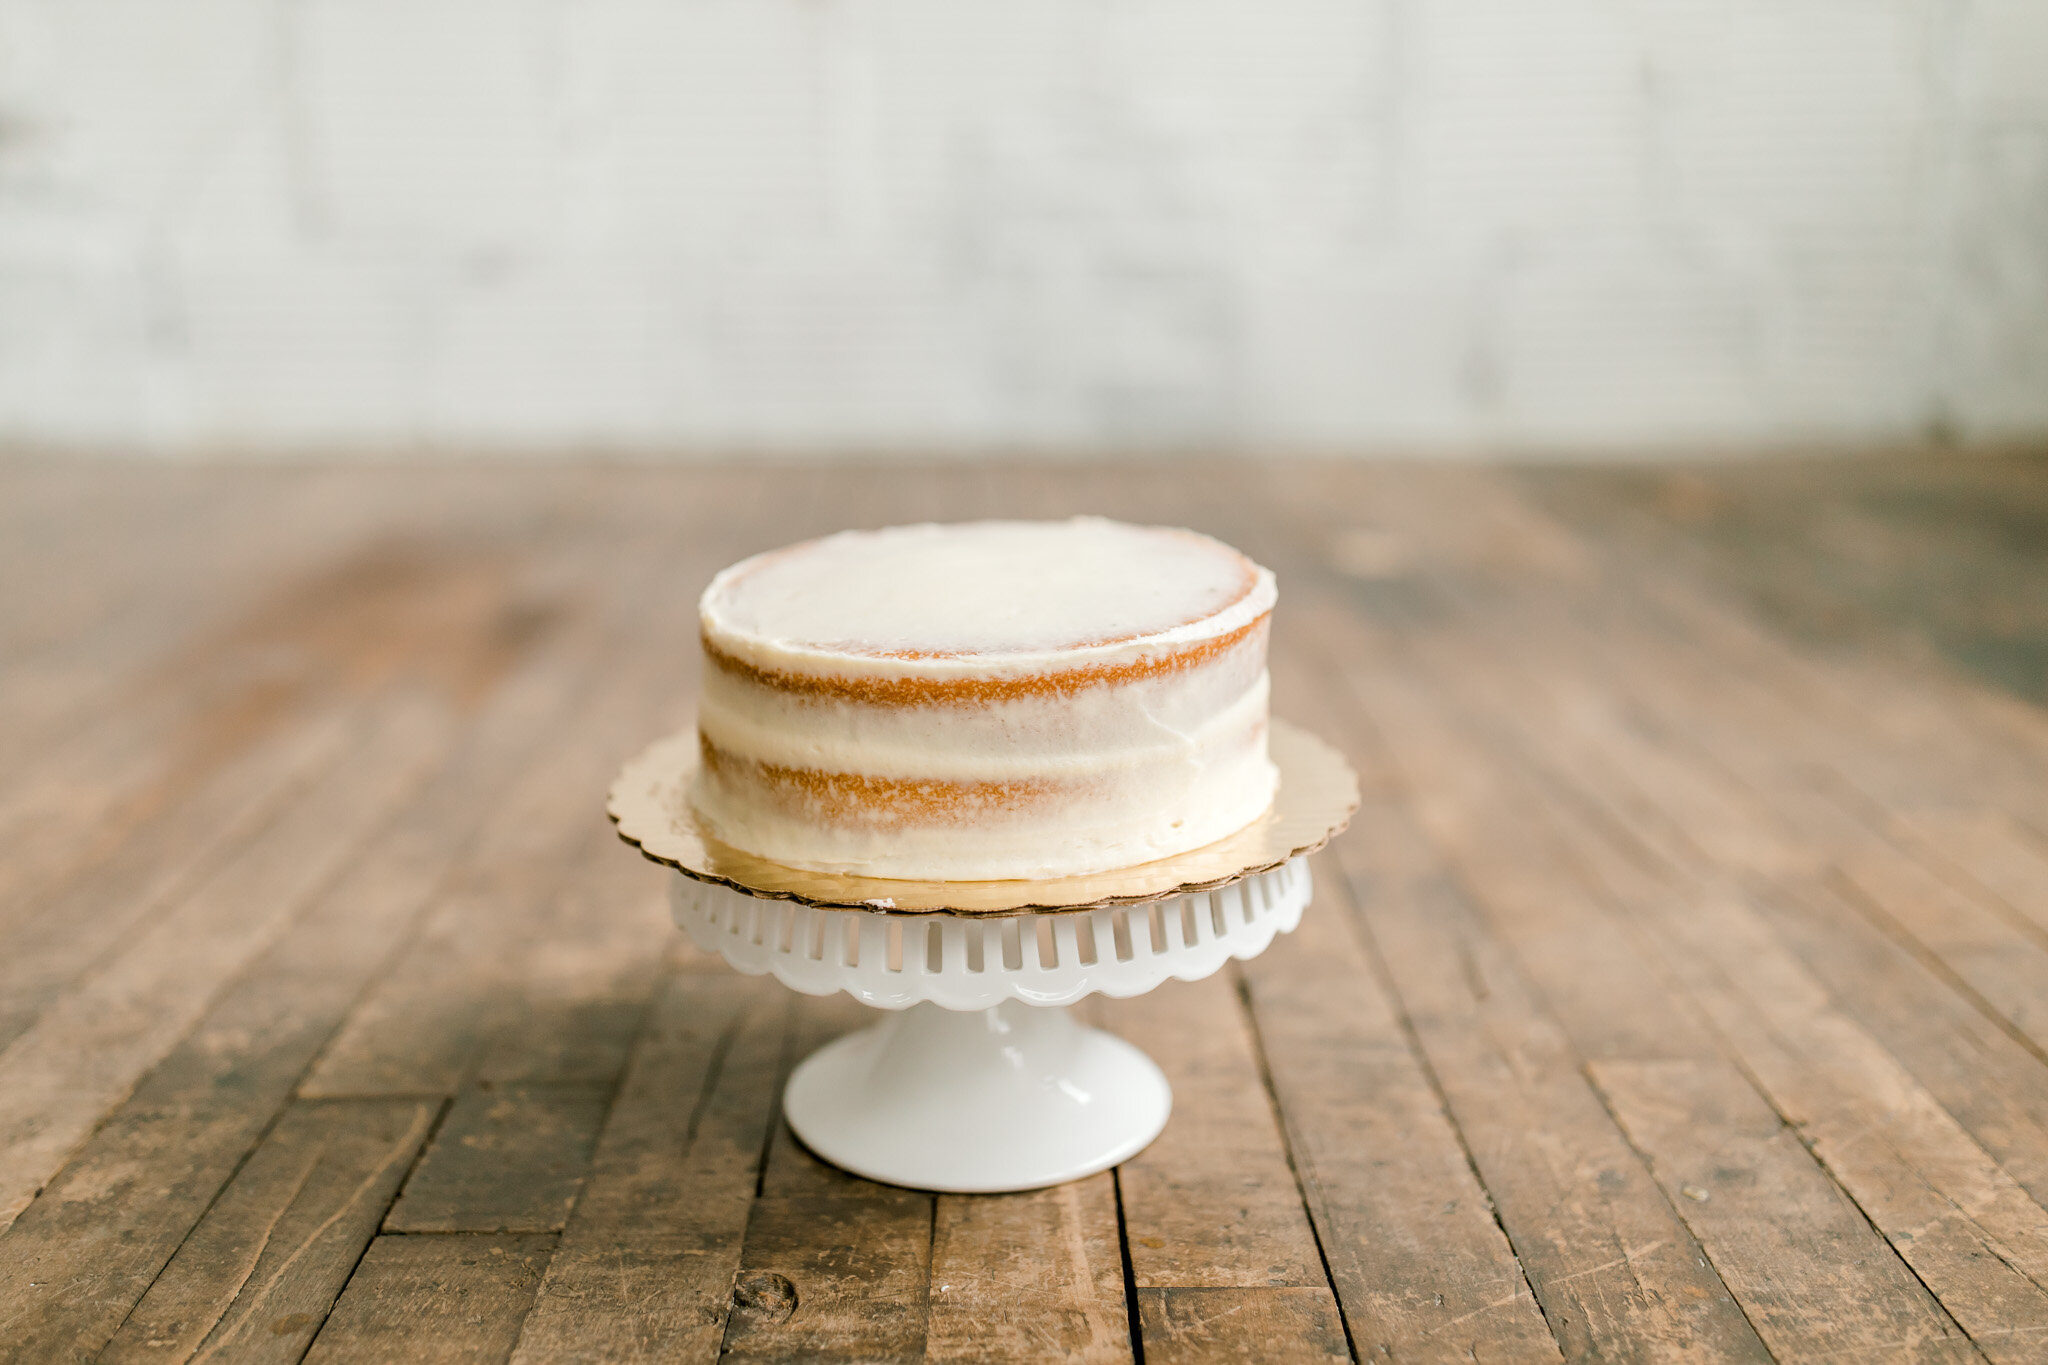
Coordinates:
(979, 1079)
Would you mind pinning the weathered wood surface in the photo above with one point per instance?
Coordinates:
(1681, 992)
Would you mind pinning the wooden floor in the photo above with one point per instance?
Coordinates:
(1681, 991)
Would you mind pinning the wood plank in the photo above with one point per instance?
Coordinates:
(66, 816)
(833, 1267)
(1810, 1247)
(790, 1169)
(51, 943)
(451, 1300)
(1029, 1277)
(160, 554)
(101, 600)
(506, 1159)
(258, 1275)
(1970, 939)
(1201, 1326)
(1796, 1251)
(1970, 1232)
(1960, 1220)
(493, 929)
(461, 981)
(1613, 1266)
(1616, 1271)
(1673, 799)
(1964, 1059)
(1906, 735)
(1419, 1264)
(326, 639)
(1946, 1269)
(1888, 694)
(1667, 895)
(1778, 812)
(1886, 1297)
(283, 632)
(195, 1115)
(1988, 848)
(646, 1268)
(1212, 1202)
(217, 695)
(1907, 997)
(590, 973)
(87, 1051)
(1879, 1133)
(828, 1277)
(192, 548)
(1951, 1040)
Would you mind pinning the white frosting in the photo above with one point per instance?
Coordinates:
(1002, 597)
(1157, 746)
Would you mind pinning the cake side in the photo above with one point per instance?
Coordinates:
(980, 750)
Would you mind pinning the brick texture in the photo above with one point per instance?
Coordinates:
(1463, 225)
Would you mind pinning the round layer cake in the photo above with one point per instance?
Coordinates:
(986, 701)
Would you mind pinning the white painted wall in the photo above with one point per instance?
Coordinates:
(1415, 225)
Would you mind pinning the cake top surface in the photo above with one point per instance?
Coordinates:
(987, 588)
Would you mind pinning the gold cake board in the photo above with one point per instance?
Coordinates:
(1317, 794)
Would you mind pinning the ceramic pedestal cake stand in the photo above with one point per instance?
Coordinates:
(980, 1079)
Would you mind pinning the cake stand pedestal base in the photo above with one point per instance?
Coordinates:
(1013, 1097)
(978, 1080)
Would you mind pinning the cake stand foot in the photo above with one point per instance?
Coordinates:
(1011, 1098)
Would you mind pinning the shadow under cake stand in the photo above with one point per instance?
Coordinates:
(979, 1079)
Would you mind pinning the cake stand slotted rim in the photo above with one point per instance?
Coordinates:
(978, 1079)
(1316, 796)
(962, 962)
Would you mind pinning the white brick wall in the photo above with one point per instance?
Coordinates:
(1422, 225)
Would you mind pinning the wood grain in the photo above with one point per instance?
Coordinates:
(506, 1159)
(1029, 1277)
(1614, 1268)
(1200, 1326)
(87, 1051)
(1866, 1298)
(1893, 1181)
(646, 1267)
(1422, 1269)
(833, 1267)
(435, 1298)
(1796, 1251)
(1681, 991)
(1818, 1245)
(1213, 1202)
(833, 1279)
(257, 1277)
(195, 1115)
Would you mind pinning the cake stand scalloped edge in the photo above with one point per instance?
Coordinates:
(1317, 794)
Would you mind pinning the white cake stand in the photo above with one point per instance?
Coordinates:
(979, 1080)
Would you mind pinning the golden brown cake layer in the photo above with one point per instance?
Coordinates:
(984, 702)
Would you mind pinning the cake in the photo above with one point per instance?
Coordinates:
(986, 701)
